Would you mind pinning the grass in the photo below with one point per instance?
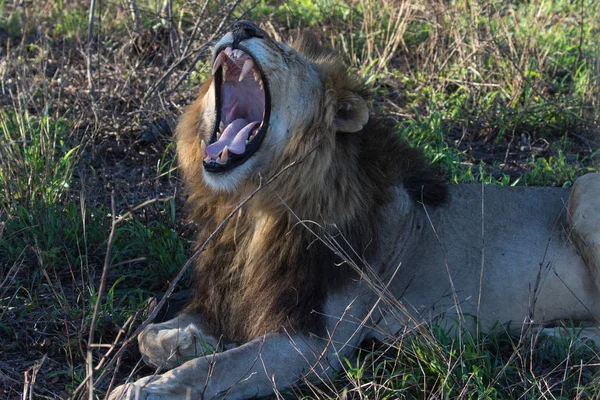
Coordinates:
(499, 92)
(490, 367)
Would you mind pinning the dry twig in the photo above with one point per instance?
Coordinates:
(89, 49)
(135, 15)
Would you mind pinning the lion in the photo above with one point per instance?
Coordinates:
(337, 231)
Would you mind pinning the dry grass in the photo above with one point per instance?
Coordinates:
(504, 92)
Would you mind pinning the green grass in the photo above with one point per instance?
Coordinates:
(494, 71)
(527, 73)
(53, 243)
(158, 243)
(36, 169)
(495, 366)
(504, 93)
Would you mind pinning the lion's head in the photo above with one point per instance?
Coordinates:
(263, 98)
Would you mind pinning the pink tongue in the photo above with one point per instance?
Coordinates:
(234, 137)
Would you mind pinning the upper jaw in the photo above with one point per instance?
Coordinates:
(242, 107)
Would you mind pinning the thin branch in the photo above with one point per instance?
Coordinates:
(167, 74)
(89, 356)
(196, 27)
(135, 15)
(89, 50)
(199, 53)
(165, 12)
(482, 264)
(111, 238)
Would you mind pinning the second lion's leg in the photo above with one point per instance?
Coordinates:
(168, 344)
(584, 222)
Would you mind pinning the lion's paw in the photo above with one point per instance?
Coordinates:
(140, 390)
(168, 347)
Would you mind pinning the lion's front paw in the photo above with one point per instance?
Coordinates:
(140, 390)
(169, 347)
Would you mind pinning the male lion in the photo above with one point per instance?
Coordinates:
(275, 294)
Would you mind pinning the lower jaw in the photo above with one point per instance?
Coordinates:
(231, 180)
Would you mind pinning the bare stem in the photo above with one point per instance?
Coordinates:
(135, 15)
(89, 49)
(89, 356)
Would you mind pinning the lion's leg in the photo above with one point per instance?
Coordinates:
(261, 366)
(584, 221)
(254, 369)
(169, 343)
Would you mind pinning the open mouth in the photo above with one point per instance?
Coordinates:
(242, 111)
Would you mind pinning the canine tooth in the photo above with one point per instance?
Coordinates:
(225, 68)
(224, 155)
(248, 66)
(219, 60)
(203, 148)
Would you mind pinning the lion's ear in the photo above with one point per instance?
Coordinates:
(352, 112)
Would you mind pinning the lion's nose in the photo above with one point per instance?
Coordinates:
(243, 30)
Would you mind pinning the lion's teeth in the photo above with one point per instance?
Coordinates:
(256, 76)
(220, 59)
(224, 155)
(225, 68)
(228, 51)
(207, 159)
(237, 53)
(261, 85)
(248, 66)
(203, 148)
(221, 126)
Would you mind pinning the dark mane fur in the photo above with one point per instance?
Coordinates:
(266, 271)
